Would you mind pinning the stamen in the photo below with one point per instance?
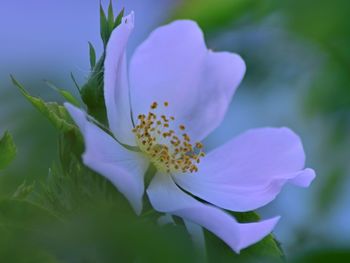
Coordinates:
(167, 151)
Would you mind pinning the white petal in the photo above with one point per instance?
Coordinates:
(116, 87)
(250, 170)
(174, 65)
(167, 197)
(222, 73)
(125, 169)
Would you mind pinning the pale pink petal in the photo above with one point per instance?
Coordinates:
(167, 197)
(116, 87)
(174, 65)
(250, 170)
(125, 169)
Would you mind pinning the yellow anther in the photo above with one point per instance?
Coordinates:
(154, 105)
(167, 151)
(199, 145)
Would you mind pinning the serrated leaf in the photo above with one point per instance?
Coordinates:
(104, 29)
(19, 213)
(119, 18)
(23, 190)
(7, 150)
(56, 113)
(64, 93)
(92, 53)
(22, 225)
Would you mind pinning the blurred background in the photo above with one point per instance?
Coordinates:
(298, 74)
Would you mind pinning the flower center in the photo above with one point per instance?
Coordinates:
(168, 151)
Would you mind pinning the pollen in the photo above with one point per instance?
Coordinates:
(168, 151)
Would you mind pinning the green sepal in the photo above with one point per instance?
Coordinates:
(92, 91)
(56, 113)
(110, 17)
(64, 93)
(92, 53)
(119, 18)
(7, 150)
(104, 28)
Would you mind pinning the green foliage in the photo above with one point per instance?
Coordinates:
(324, 255)
(78, 216)
(329, 191)
(326, 25)
(23, 190)
(215, 14)
(7, 150)
(56, 113)
(21, 223)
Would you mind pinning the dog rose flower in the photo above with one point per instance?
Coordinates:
(174, 93)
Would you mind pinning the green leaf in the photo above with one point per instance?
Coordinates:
(92, 56)
(56, 113)
(64, 93)
(7, 150)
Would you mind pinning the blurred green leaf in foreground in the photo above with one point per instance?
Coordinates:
(7, 150)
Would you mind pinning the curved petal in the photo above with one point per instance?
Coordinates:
(222, 73)
(250, 170)
(125, 169)
(116, 87)
(174, 65)
(167, 197)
